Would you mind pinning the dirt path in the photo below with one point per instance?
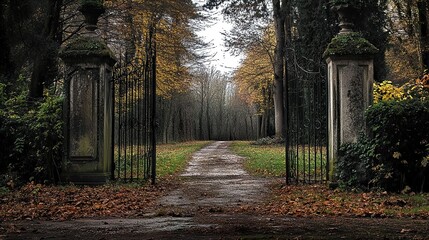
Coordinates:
(213, 186)
(214, 181)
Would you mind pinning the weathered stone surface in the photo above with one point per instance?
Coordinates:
(86, 49)
(350, 79)
(89, 104)
(350, 94)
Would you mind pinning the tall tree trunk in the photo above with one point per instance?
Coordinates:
(46, 62)
(7, 68)
(130, 44)
(181, 126)
(423, 10)
(279, 7)
(259, 127)
(208, 113)
(264, 125)
(166, 120)
(201, 114)
(409, 17)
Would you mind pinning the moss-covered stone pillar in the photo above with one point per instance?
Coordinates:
(350, 80)
(89, 103)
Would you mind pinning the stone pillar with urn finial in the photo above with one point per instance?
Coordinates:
(89, 103)
(350, 79)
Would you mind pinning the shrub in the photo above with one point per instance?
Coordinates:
(269, 141)
(395, 156)
(400, 132)
(31, 138)
(415, 89)
(386, 91)
(355, 163)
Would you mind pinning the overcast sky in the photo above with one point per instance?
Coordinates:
(223, 60)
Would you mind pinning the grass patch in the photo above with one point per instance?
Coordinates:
(417, 204)
(266, 160)
(172, 158)
(308, 163)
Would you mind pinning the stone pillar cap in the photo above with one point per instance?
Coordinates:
(350, 44)
(85, 49)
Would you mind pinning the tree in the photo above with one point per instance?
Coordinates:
(130, 23)
(45, 64)
(32, 32)
(251, 12)
(423, 24)
(256, 87)
(371, 22)
(175, 37)
(406, 23)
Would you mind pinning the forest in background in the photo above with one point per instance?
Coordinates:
(195, 101)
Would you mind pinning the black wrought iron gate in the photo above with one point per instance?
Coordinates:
(306, 120)
(134, 117)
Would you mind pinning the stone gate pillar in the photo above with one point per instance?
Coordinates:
(89, 104)
(350, 78)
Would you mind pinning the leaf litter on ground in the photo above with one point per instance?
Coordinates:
(36, 201)
(40, 202)
(319, 200)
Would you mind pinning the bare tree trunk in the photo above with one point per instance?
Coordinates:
(46, 62)
(264, 125)
(201, 114)
(167, 121)
(208, 113)
(279, 7)
(423, 10)
(7, 67)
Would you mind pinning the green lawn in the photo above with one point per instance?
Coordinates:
(266, 160)
(172, 158)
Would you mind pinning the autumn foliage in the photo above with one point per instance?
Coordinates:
(319, 200)
(414, 89)
(255, 77)
(175, 38)
(36, 201)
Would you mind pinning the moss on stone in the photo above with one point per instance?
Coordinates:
(349, 44)
(86, 47)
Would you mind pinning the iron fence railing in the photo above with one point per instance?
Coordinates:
(306, 120)
(134, 117)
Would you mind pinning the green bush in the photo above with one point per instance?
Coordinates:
(31, 136)
(354, 166)
(395, 156)
(400, 133)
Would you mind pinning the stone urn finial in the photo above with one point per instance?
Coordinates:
(346, 13)
(91, 10)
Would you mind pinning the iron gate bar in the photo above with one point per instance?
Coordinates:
(306, 119)
(153, 126)
(134, 116)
